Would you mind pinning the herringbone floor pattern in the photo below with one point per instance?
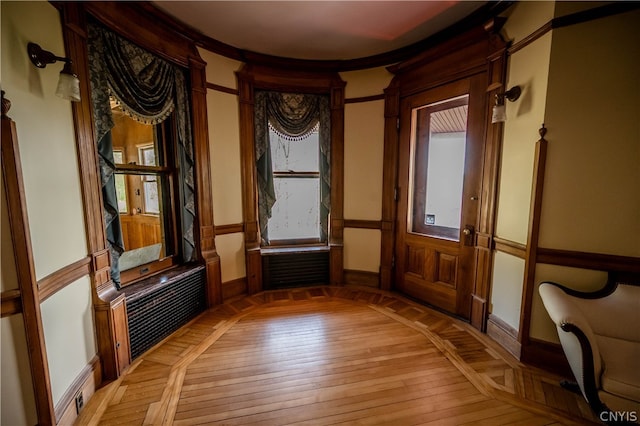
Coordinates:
(331, 355)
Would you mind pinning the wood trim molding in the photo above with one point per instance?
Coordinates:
(250, 78)
(25, 270)
(87, 382)
(476, 18)
(363, 278)
(234, 288)
(510, 247)
(546, 355)
(584, 260)
(389, 183)
(11, 302)
(535, 210)
(205, 241)
(504, 334)
(223, 89)
(363, 224)
(232, 228)
(362, 99)
(52, 283)
(573, 19)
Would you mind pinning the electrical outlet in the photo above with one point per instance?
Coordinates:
(79, 402)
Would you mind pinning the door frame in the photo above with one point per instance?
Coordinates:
(479, 50)
(454, 258)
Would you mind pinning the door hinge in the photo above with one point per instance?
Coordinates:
(398, 124)
(395, 194)
(393, 261)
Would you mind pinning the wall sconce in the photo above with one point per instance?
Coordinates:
(499, 109)
(68, 83)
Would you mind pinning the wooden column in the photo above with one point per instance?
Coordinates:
(253, 259)
(531, 256)
(106, 301)
(336, 225)
(496, 74)
(206, 244)
(389, 184)
(25, 269)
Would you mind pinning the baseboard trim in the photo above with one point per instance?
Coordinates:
(548, 356)
(505, 335)
(364, 278)
(87, 382)
(233, 288)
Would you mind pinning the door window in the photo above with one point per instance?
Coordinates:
(439, 134)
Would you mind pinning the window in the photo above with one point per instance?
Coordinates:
(296, 179)
(147, 155)
(439, 156)
(121, 183)
(144, 176)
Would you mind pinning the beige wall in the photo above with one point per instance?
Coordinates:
(224, 143)
(54, 202)
(45, 132)
(591, 199)
(593, 113)
(363, 166)
(528, 68)
(506, 288)
(67, 318)
(577, 81)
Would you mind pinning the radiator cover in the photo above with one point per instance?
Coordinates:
(285, 270)
(157, 309)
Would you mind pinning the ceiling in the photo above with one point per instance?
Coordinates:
(322, 30)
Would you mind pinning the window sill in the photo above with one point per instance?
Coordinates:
(268, 251)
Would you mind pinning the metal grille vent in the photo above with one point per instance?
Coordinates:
(158, 313)
(295, 269)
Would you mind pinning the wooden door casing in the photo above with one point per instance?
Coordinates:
(435, 270)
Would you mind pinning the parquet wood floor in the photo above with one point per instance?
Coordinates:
(331, 355)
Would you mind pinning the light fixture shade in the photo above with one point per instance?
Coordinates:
(68, 87)
(499, 114)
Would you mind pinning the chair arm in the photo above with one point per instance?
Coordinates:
(577, 338)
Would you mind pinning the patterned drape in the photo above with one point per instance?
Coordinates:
(293, 116)
(148, 89)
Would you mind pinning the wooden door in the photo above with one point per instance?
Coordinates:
(439, 181)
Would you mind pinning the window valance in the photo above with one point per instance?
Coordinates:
(293, 116)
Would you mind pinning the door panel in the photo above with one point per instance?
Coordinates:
(440, 166)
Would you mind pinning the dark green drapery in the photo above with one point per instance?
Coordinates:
(148, 89)
(294, 116)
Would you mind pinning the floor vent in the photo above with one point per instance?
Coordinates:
(285, 270)
(155, 310)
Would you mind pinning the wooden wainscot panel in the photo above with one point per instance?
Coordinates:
(546, 355)
(336, 264)
(478, 312)
(254, 270)
(504, 334)
(364, 278)
(109, 318)
(234, 288)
